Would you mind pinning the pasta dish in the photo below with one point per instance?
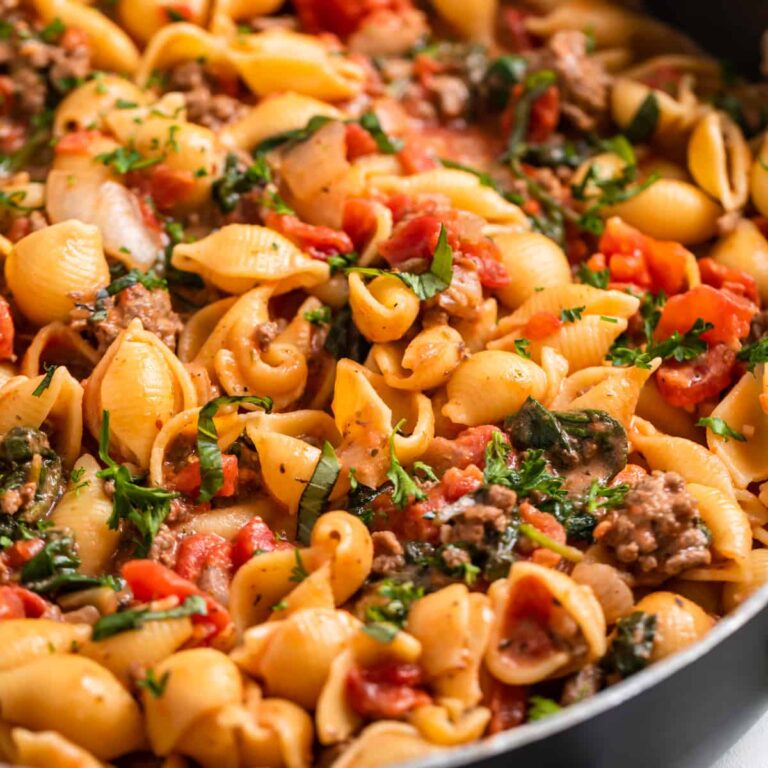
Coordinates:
(376, 376)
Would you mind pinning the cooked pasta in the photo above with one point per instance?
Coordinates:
(374, 376)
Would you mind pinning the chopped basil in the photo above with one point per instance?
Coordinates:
(644, 121)
(150, 683)
(211, 469)
(630, 650)
(316, 492)
(50, 370)
(404, 487)
(398, 596)
(386, 144)
(344, 338)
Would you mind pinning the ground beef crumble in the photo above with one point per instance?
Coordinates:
(388, 555)
(657, 531)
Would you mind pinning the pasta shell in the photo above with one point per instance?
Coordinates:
(142, 384)
(727, 521)
(383, 743)
(24, 640)
(47, 267)
(734, 594)
(758, 179)
(58, 344)
(240, 256)
(746, 249)
(50, 750)
(143, 19)
(449, 726)
(227, 12)
(384, 309)
(477, 26)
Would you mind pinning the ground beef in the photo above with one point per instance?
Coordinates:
(153, 308)
(657, 531)
(758, 326)
(14, 499)
(583, 685)
(266, 333)
(388, 557)
(472, 525)
(204, 105)
(455, 557)
(165, 547)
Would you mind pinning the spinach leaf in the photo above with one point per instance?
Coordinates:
(632, 645)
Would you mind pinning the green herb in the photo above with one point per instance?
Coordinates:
(174, 14)
(319, 316)
(502, 74)
(523, 348)
(50, 370)
(571, 314)
(427, 284)
(13, 201)
(404, 487)
(597, 278)
(211, 469)
(124, 160)
(149, 280)
(280, 605)
(172, 142)
(386, 144)
(485, 179)
(360, 498)
(540, 707)
(227, 190)
(632, 645)
(145, 508)
(687, 346)
(6, 29)
(298, 572)
(52, 31)
(38, 140)
(754, 354)
(296, 135)
(399, 596)
(644, 121)
(605, 497)
(125, 104)
(534, 86)
(381, 632)
(721, 428)
(340, 262)
(536, 536)
(316, 492)
(154, 687)
(114, 623)
(425, 470)
(591, 42)
(344, 338)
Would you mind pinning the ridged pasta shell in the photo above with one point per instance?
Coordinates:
(745, 248)
(47, 267)
(734, 594)
(83, 702)
(49, 749)
(758, 179)
(449, 725)
(383, 309)
(143, 19)
(142, 384)
(238, 257)
(384, 743)
(726, 520)
(24, 640)
(58, 344)
(578, 602)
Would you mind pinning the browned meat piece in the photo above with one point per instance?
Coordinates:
(14, 499)
(455, 557)
(153, 308)
(656, 532)
(470, 526)
(583, 685)
(387, 553)
(165, 547)
(204, 105)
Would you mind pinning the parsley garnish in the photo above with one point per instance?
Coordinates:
(211, 470)
(153, 686)
(523, 348)
(340, 262)
(381, 632)
(571, 314)
(125, 159)
(319, 316)
(644, 121)
(298, 572)
(13, 201)
(540, 707)
(50, 370)
(754, 354)
(399, 596)
(150, 280)
(597, 278)
(51, 32)
(404, 487)
(721, 428)
(114, 623)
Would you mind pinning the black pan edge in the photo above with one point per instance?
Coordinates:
(682, 712)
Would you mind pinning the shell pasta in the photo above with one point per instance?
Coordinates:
(375, 377)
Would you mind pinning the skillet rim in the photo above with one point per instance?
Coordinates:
(508, 741)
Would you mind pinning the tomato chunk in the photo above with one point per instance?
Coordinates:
(387, 690)
(549, 526)
(545, 114)
(76, 143)
(200, 551)
(19, 603)
(343, 17)
(359, 142)
(255, 536)
(689, 383)
(149, 580)
(318, 242)
(188, 480)
(507, 704)
(729, 313)
(359, 221)
(7, 331)
(540, 325)
(734, 280)
(468, 447)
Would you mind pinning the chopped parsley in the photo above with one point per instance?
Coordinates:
(523, 348)
(126, 159)
(679, 347)
(754, 354)
(398, 596)
(571, 314)
(597, 278)
(320, 316)
(152, 685)
(299, 571)
(50, 370)
(404, 488)
(631, 648)
(540, 707)
(381, 632)
(721, 428)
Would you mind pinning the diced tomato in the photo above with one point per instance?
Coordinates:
(545, 114)
(730, 314)
(468, 447)
(631, 474)
(7, 91)
(414, 239)
(658, 265)
(22, 551)
(343, 17)
(686, 384)
(485, 254)
(507, 704)
(387, 690)
(147, 210)
(359, 142)
(19, 603)
(417, 156)
(187, 480)
(359, 221)
(549, 526)
(76, 143)
(527, 618)
(7, 331)
(540, 325)
(149, 580)
(165, 185)
(514, 31)
(255, 536)
(73, 38)
(200, 551)
(318, 242)
(727, 278)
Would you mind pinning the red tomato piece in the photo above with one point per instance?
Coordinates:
(188, 480)
(7, 331)
(486, 256)
(387, 690)
(22, 551)
(359, 221)
(687, 384)
(507, 704)
(318, 242)
(254, 536)
(201, 551)
(734, 280)
(149, 580)
(359, 142)
(7, 92)
(165, 185)
(413, 239)
(19, 603)
(729, 313)
(343, 17)
(545, 114)
(76, 143)
(73, 38)
(540, 325)
(549, 526)
(417, 156)
(468, 447)
(514, 31)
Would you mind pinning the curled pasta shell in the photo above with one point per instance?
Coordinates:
(534, 262)
(507, 660)
(200, 681)
(48, 749)
(83, 702)
(758, 179)
(85, 509)
(237, 257)
(449, 726)
(59, 344)
(59, 407)
(143, 19)
(512, 378)
(679, 622)
(47, 267)
(719, 160)
(745, 248)
(24, 640)
(384, 743)
(384, 309)
(277, 60)
(142, 384)
(734, 594)
(726, 520)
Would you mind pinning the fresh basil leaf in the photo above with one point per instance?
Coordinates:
(386, 144)
(316, 492)
(644, 121)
